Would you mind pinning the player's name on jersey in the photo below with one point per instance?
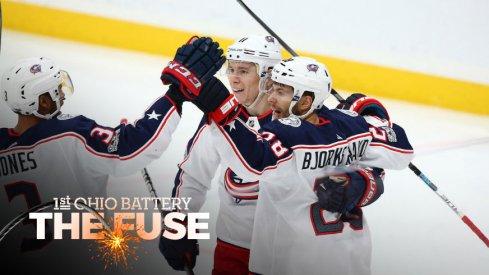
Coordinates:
(123, 203)
(335, 156)
(17, 162)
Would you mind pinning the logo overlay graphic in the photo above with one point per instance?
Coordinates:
(116, 224)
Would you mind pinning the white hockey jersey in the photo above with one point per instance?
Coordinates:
(70, 155)
(292, 234)
(237, 198)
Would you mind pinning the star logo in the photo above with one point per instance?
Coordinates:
(232, 126)
(153, 115)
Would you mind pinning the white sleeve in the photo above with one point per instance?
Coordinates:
(126, 148)
(389, 148)
(198, 168)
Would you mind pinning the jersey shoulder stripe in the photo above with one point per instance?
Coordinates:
(127, 140)
(334, 126)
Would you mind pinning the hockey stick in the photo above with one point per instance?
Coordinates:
(413, 168)
(21, 217)
(464, 217)
(149, 184)
(152, 191)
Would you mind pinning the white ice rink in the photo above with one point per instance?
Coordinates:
(413, 231)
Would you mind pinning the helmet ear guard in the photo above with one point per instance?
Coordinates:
(304, 74)
(30, 78)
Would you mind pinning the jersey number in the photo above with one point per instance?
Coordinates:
(105, 134)
(277, 148)
(378, 134)
(31, 195)
(325, 223)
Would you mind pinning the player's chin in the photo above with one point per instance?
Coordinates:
(241, 97)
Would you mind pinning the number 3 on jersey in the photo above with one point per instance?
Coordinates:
(105, 134)
(31, 195)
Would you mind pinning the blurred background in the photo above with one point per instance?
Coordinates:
(427, 61)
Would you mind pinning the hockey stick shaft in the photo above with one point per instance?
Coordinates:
(152, 192)
(21, 217)
(270, 31)
(282, 42)
(465, 219)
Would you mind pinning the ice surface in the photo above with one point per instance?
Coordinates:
(413, 231)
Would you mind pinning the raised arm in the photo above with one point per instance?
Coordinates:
(126, 148)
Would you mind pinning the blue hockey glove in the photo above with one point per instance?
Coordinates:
(194, 64)
(176, 96)
(364, 105)
(179, 253)
(342, 193)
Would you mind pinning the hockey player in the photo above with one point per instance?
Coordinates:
(52, 155)
(292, 156)
(250, 60)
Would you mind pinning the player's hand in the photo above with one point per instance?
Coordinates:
(216, 101)
(364, 105)
(193, 65)
(342, 193)
(179, 253)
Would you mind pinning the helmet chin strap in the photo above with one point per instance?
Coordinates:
(293, 103)
(301, 116)
(49, 116)
(261, 93)
(256, 101)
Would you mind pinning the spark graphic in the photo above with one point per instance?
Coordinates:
(117, 246)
